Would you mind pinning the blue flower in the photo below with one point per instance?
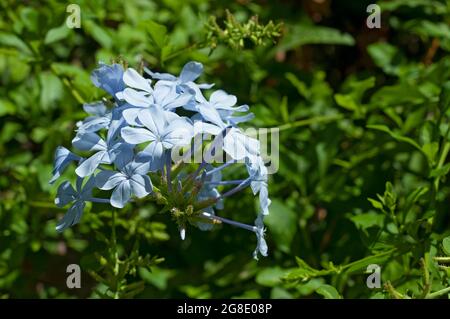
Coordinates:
(106, 151)
(209, 191)
(100, 118)
(240, 146)
(220, 109)
(163, 130)
(139, 91)
(144, 111)
(109, 78)
(67, 194)
(131, 179)
(63, 157)
(258, 174)
(163, 97)
(190, 72)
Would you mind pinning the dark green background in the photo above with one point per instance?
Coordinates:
(356, 108)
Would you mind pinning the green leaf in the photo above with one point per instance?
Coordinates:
(270, 277)
(158, 33)
(431, 150)
(346, 101)
(311, 34)
(329, 292)
(57, 34)
(444, 97)
(383, 55)
(99, 33)
(11, 40)
(415, 196)
(52, 90)
(299, 85)
(360, 266)
(305, 272)
(282, 224)
(367, 220)
(396, 95)
(376, 204)
(441, 171)
(446, 245)
(6, 107)
(396, 136)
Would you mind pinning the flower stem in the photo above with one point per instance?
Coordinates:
(169, 169)
(115, 253)
(229, 221)
(221, 167)
(99, 200)
(238, 188)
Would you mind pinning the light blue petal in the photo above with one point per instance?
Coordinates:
(141, 185)
(234, 120)
(154, 149)
(210, 114)
(114, 130)
(121, 194)
(177, 133)
(160, 76)
(137, 135)
(141, 164)
(95, 108)
(201, 127)
(108, 78)
(72, 216)
(130, 115)
(94, 124)
(181, 100)
(221, 99)
(85, 191)
(65, 194)
(261, 246)
(154, 119)
(133, 79)
(240, 146)
(191, 71)
(137, 98)
(106, 180)
(88, 166)
(89, 142)
(121, 154)
(63, 157)
(264, 201)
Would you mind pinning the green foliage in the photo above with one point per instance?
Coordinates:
(364, 120)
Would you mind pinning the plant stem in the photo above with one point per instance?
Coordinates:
(115, 254)
(306, 122)
(438, 293)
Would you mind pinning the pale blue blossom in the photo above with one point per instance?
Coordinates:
(190, 72)
(105, 151)
(63, 157)
(258, 174)
(67, 194)
(161, 130)
(100, 118)
(221, 109)
(126, 137)
(130, 179)
(139, 91)
(109, 78)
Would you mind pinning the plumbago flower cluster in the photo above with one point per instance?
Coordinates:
(131, 140)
